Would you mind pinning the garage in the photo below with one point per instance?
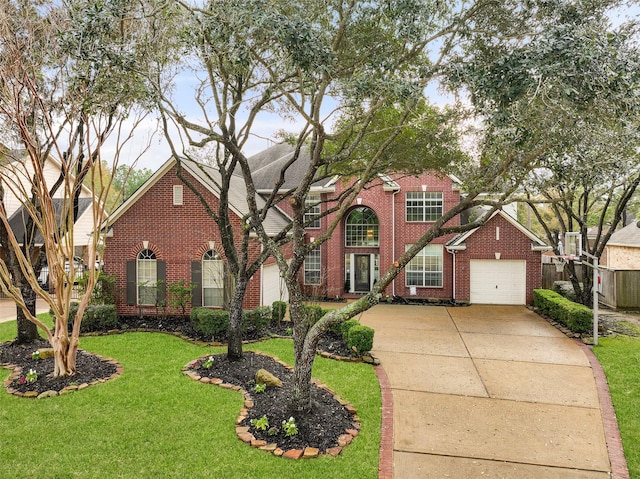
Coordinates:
(273, 287)
(498, 281)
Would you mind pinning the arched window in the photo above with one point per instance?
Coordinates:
(212, 279)
(147, 277)
(362, 228)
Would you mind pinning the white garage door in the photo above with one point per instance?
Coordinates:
(498, 282)
(273, 287)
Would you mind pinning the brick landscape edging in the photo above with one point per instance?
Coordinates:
(243, 431)
(17, 371)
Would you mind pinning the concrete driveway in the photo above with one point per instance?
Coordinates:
(487, 391)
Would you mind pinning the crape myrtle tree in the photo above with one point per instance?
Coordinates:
(571, 92)
(345, 77)
(64, 91)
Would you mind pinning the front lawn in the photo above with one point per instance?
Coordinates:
(152, 421)
(620, 359)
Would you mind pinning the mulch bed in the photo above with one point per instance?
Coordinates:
(90, 369)
(319, 428)
(322, 428)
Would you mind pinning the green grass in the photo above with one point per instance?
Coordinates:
(620, 359)
(152, 421)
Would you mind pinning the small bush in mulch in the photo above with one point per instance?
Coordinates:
(320, 428)
(89, 368)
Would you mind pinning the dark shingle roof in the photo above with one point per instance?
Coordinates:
(18, 220)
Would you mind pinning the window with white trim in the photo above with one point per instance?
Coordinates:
(362, 228)
(312, 211)
(212, 279)
(312, 267)
(147, 277)
(425, 269)
(423, 206)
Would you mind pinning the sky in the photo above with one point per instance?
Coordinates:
(149, 149)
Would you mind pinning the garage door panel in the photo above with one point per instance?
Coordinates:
(498, 281)
(273, 286)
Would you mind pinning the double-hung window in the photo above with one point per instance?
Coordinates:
(212, 279)
(423, 206)
(312, 267)
(312, 211)
(425, 269)
(147, 278)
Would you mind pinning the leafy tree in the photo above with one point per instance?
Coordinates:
(352, 76)
(568, 94)
(127, 179)
(65, 87)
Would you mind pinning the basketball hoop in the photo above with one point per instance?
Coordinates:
(559, 262)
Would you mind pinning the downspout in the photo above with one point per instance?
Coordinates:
(261, 278)
(453, 293)
(453, 250)
(393, 236)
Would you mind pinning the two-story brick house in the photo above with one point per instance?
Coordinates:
(497, 263)
(162, 233)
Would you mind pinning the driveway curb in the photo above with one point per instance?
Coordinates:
(385, 465)
(619, 468)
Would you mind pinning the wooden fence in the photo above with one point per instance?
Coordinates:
(620, 288)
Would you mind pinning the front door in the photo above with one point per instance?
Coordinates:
(362, 272)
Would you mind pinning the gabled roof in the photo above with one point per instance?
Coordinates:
(267, 166)
(627, 236)
(536, 243)
(18, 220)
(209, 177)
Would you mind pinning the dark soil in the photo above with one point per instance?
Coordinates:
(89, 368)
(319, 428)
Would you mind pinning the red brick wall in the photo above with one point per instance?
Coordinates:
(383, 203)
(482, 244)
(176, 234)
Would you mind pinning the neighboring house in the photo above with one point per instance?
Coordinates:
(151, 238)
(162, 234)
(622, 251)
(16, 173)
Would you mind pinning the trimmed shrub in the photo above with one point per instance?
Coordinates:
(577, 317)
(258, 318)
(360, 338)
(210, 322)
(278, 310)
(99, 317)
(346, 326)
(314, 312)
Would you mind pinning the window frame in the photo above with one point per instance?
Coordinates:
(312, 211)
(212, 256)
(314, 266)
(423, 207)
(147, 269)
(355, 234)
(423, 266)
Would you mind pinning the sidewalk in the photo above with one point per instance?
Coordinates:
(487, 391)
(8, 309)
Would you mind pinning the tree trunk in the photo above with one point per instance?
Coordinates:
(234, 344)
(27, 331)
(64, 351)
(305, 346)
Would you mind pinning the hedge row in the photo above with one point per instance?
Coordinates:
(577, 317)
